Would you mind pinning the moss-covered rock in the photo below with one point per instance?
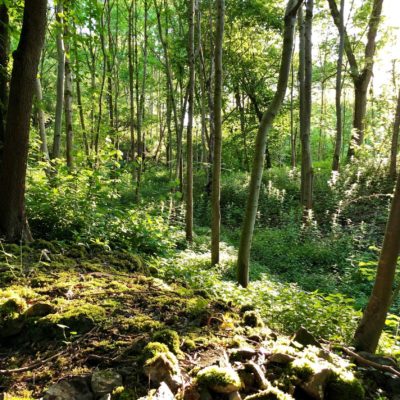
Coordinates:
(272, 393)
(344, 386)
(219, 379)
(154, 348)
(253, 319)
(170, 338)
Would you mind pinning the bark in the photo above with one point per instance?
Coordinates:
(4, 50)
(395, 141)
(216, 176)
(131, 83)
(13, 223)
(259, 157)
(361, 78)
(42, 129)
(60, 81)
(371, 325)
(292, 130)
(338, 92)
(240, 107)
(68, 101)
(189, 141)
(305, 80)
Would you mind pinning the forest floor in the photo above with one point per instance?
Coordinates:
(68, 314)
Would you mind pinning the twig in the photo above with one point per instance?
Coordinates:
(45, 360)
(373, 364)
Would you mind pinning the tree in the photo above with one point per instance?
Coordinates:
(259, 157)
(13, 223)
(216, 175)
(4, 49)
(338, 92)
(305, 81)
(371, 325)
(395, 141)
(60, 80)
(189, 171)
(361, 77)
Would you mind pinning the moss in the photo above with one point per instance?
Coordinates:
(139, 323)
(170, 338)
(272, 393)
(252, 319)
(154, 348)
(41, 244)
(246, 307)
(80, 317)
(189, 344)
(77, 252)
(302, 368)
(215, 376)
(12, 307)
(345, 386)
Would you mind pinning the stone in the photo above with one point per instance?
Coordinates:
(235, 396)
(162, 393)
(11, 327)
(242, 354)
(39, 310)
(316, 384)
(164, 367)
(219, 379)
(281, 358)
(76, 388)
(305, 338)
(259, 377)
(106, 397)
(105, 381)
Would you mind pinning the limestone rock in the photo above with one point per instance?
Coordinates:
(281, 358)
(39, 310)
(259, 377)
(162, 393)
(315, 385)
(105, 381)
(219, 379)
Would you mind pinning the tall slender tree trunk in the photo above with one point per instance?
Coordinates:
(372, 323)
(60, 80)
(338, 92)
(395, 141)
(292, 129)
(189, 141)
(13, 223)
(68, 100)
(259, 157)
(305, 79)
(4, 50)
(42, 128)
(131, 84)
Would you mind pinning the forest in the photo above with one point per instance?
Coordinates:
(199, 200)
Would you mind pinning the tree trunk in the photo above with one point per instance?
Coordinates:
(371, 325)
(68, 101)
(395, 141)
(13, 223)
(189, 141)
(259, 157)
(4, 50)
(305, 78)
(216, 176)
(60, 80)
(42, 129)
(338, 92)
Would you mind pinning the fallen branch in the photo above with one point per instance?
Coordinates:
(362, 360)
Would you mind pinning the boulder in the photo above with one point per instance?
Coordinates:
(162, 393)
(76, 388)
(259, 377)
(281, 358)
(39, 310)
(105, 381)
(219, 379)
(316, 384)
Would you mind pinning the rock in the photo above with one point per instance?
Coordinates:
(281, 358)
(76, 388)
(164, 367)
(235, 396)
(272, 393)
(305, 338)
(242, 354)
(39, 310)
(259, 376)
(106, 397)
(205, 394)
(315, 385)
(11, 327)
(247, 379)
(344, 387)
(252, 319)
(162, 393)
(105, 381)
(385, 380)
(219, 379)
(191, 393)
